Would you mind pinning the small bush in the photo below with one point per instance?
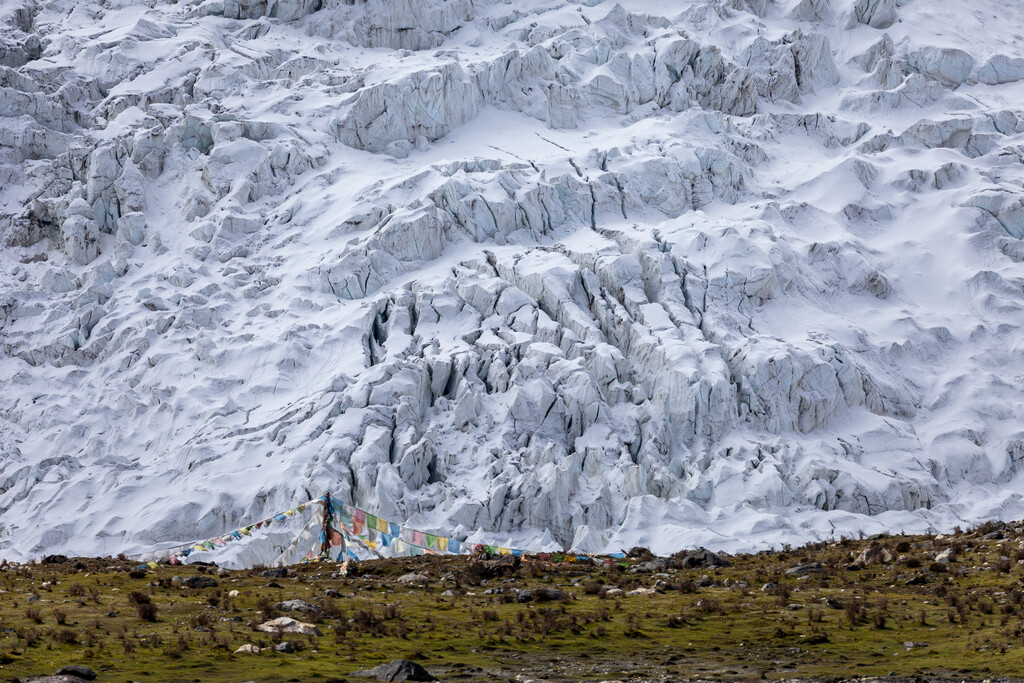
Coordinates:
(60, 617)
(147, 611)
(592, 587)
(63, 636)
(138, 598)
(33, 614)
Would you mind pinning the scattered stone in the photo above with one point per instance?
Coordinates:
(248, 648)
(331, 593)
(288, 625)
(832, 603)
(199, 582)
(945, 557)
(233, 594)
(875, 553)
(803, 569)
(705, 582)
(275, 573)
(297, 606)
(613, 592)
(910, 645)
(286, 647)
(412, 578)
(648, 567)
(398, 670)
(701, 558)
(642, 591)
(83, 672)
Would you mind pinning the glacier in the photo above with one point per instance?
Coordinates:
(588, 275)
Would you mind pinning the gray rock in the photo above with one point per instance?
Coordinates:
(83, 672)
(296, 606)
(398, 670)
(413, 578)
(802, 569)
(199, 582)
(286, 647)
(275, 573)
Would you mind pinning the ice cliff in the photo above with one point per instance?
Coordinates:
(690, 272)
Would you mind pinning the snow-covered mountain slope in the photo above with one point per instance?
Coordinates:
(657, 272)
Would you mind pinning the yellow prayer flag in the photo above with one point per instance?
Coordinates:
(442, 543)
(504, 551)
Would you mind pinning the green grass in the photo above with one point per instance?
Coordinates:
(973, 619)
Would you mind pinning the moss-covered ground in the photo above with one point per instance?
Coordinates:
(909, 617)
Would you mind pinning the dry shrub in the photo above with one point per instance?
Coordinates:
(138, 598)
(63, 636)
(147, 611)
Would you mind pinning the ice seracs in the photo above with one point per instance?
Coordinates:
(594, 275)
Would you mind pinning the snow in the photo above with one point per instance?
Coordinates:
(732, 273)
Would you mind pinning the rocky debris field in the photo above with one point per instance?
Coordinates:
(893, 608)
(535, 273)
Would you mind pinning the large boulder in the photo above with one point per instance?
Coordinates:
(288, 625)
(398, 670)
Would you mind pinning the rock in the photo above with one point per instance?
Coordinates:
(613, 592)
(874, 553)
(286, 647)
(79, 671)
(648, 567)
(248, 648)
(413, 578)
(296, 606)
(398, 670)
(802, 569)
(945, 557)
(288, 625)
(233, 594)
(702, 558)
(642, 591)
(275, 573)
(331, 593)
(55, 559)
(200, 581)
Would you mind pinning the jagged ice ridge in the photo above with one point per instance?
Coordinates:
(711, 272)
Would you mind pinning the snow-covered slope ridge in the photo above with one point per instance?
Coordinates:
(660, 272)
